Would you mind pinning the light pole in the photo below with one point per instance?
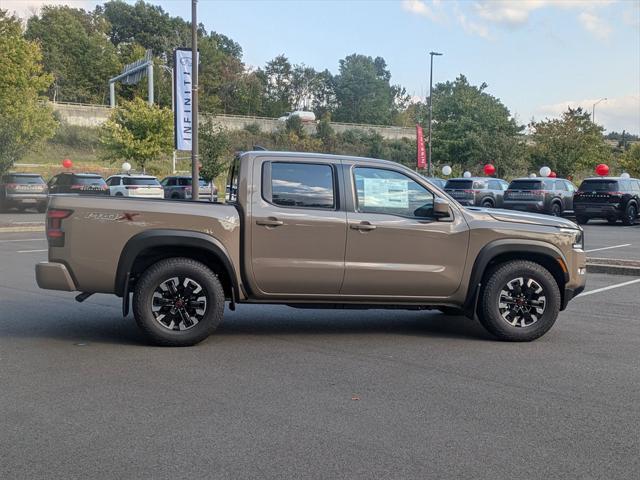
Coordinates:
(430, 110)
(195, 173)
(593, 109)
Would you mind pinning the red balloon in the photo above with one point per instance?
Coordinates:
(489, 169)
(67, 163)
(553, 174)
(602, 170)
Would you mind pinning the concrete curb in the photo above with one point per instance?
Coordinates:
(614, 266)
(39, 228)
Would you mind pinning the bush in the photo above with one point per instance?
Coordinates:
(294, 125)
(253, 128)
(85, 138)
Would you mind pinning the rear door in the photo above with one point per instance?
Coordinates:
(297, 226)
(395, 247)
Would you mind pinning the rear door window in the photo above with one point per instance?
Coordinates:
(301, 185)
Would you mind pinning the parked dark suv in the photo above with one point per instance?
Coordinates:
(23, 190)
(477, 191)
(553, 196)
(178, 187)
(81, 183)
(609, 198)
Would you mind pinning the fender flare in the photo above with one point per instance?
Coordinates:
(499, 247)
(150, 239)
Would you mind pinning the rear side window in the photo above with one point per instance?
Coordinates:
(140, 181)
(635, 185)
(25, 179)
(302, 185)
(599, 186)
(560, 185)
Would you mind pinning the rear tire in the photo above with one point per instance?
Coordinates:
(556, 209)
(519, 302)
(582, 220)
(630, 214)
(178, 302)
(487, 204)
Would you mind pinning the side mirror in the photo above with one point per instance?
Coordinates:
(441, 208)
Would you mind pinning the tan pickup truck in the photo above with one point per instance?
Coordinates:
(312, 230)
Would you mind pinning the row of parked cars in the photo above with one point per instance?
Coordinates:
(25, 190)
(609, 198)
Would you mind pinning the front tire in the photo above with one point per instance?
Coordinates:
(520, 301)
(178, 302)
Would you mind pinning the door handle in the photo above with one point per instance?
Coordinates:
(270, 222)
(362, 226)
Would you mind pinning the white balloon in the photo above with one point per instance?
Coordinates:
(533, 175)
(466, 174)
(545, 171)
(126, 166)
(625, 175)
(446, 170)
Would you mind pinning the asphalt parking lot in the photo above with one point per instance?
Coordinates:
(285, 393)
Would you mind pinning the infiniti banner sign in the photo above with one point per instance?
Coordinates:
(182, 115)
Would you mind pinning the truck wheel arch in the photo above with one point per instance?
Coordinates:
(149, 246)
(500, 251)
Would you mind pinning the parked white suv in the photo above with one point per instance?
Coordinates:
(138, 186)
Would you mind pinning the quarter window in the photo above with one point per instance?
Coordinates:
(392, 193)
(302, 185)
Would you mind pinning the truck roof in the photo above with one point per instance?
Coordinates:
(319, 156)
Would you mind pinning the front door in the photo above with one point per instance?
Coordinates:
(298, 228)
(395, 247)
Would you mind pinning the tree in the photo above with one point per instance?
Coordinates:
(277, 78)
(138, 133)
(569, 143)
(76, 51)
(294, 125)
(214, 146)
(630, 160)
(363, 92)
(24, 118)
(472, 127)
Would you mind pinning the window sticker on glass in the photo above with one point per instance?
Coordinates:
(385, 192)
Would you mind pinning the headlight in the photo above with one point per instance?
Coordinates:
(578, 236)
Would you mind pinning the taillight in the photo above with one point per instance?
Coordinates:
(619, 194)
(76, 187)
(11, 186)
(538, 193)
(55, 235)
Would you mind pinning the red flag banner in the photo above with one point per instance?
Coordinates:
(421, 154)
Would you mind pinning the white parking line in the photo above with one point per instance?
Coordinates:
(32, 251)
(608, 248)
(24, 240)
(610, 287)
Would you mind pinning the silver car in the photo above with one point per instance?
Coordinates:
(477, 191)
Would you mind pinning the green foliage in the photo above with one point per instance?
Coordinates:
(294, 125)
(24, 119)
(74, 136)
(325, 133)
(568, 144)
(363, 91)
(472, 127)
(215, 146)
(76, 51)
(630, 160)
(252, 128)
(138, 133)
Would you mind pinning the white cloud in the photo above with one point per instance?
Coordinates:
(471, 27)
(620, 113)
(25, 8)
(420, 7)
(516, 12)
(595, 25)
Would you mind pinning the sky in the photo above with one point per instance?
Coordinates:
(537, 56)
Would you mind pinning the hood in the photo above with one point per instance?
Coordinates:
(526, 218)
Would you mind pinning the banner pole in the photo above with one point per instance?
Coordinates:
(195, 174)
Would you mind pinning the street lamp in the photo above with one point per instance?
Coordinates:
(432, 54)
(593, 110)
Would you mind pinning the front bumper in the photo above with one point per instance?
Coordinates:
(54, 276)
